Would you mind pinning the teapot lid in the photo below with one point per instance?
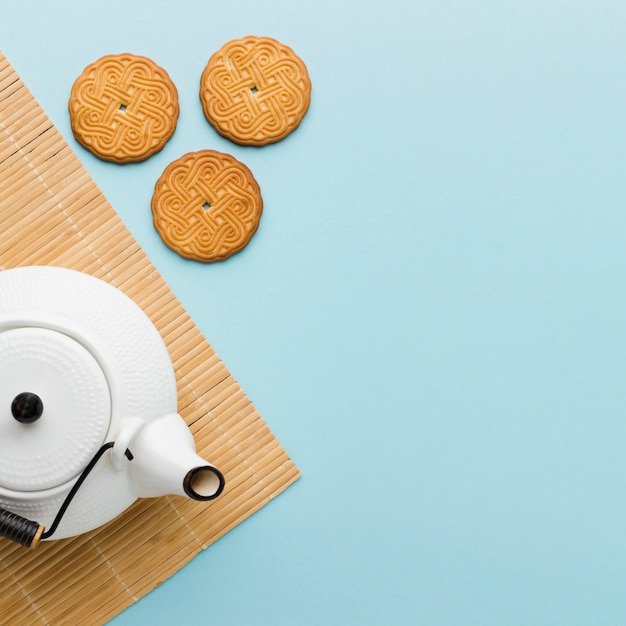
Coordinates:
(55, 408)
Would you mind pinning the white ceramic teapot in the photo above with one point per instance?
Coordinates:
(88, 408)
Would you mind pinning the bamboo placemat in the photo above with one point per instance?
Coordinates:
(52, 213)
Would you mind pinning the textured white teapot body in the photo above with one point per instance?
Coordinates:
(88, 408)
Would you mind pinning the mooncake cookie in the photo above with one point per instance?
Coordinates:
(255, 90)
(123, 108)
(206, 206)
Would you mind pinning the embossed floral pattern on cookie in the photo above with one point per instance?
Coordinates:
(255, 90)
(206, 206)
(123, 108)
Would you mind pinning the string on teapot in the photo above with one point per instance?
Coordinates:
(29, 533)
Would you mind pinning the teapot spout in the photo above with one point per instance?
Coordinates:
(203, 482)
(165, 462)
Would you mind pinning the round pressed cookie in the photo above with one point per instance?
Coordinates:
(206, 206)
(123, 108)
(255, 90)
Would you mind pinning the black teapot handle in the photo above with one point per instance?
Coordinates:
(29, 533)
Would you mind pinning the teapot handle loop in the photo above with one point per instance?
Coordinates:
(130, 428)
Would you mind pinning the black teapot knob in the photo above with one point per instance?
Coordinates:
(27, 407)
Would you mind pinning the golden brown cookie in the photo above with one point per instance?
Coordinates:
(123, 108)
(255, 90)
(206, 206)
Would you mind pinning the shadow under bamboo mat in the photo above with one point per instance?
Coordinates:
(52, 213)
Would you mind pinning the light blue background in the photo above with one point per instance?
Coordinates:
(431, 317)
